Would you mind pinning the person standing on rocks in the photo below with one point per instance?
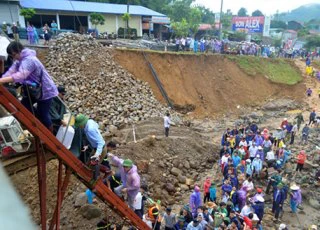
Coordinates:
(278, 200)
(301, 159)
(30, 72)
(195, 200)
(206, 192)
(300, 119)
(95, 141)
(295, 197)
(305, 134)
(167, 123)
(312, 117)
(129, 177)
(294, 131)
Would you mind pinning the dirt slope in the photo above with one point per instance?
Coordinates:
(212, 83)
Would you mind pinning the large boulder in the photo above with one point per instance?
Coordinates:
(81, 199)
(90, 211)
(175, 171)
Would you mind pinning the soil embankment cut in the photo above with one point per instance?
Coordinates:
(214, 84)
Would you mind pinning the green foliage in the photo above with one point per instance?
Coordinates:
(242, 12)
(226, 20)
(278, 24)
(277, 70)
(313, 42)
(27, 12)
(96, 19)
(194, 20)
(303, 32)
(238, 36)
(126, 17)
(257, 13)
(178, 10)
(181, 28)
(277, 43)
(207, 15)
(131, 32)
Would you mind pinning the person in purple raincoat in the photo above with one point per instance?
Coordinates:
(242, 197)
(195, 201)
(28, 70)
(260, 153)
(30, 33)
(129, 177)
(295, 197)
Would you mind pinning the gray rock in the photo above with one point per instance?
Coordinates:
(175, 171)
(81, 199)
(186, 165)
(314, 203)
(170, 188)
(90, 211)
(182, 179)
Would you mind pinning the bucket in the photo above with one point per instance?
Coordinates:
(68, 137)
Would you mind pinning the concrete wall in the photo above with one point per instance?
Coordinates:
(110, 24)
(114, 22)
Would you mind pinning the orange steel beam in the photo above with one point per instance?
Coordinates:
(84, 174)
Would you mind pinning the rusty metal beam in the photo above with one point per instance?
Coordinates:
(41, 165)
(80, 170)
(59, 198)
(62, 192)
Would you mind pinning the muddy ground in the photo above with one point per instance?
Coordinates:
(196, 80)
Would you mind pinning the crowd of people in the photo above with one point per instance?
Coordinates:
(214, 45)
(32, 33)
(251, 165)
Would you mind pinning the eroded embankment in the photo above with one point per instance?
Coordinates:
(213, 83)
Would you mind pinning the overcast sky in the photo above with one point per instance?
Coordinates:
(267, 7)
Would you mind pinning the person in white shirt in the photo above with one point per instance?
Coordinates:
(270, 158)
(293, 133)
(167, 123)
(252, 151)
(246, 210)
(249, 184)
(243, 143)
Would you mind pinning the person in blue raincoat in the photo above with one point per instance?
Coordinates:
(257, 165)
(195, 46)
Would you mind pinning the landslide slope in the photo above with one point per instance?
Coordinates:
(214, 84)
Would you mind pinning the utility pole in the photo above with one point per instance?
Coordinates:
(220, 23)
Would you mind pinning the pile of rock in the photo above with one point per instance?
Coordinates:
(97, 85)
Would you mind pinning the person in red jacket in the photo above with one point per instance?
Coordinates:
(301, 159)
(206, 192)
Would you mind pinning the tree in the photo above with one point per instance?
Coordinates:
(303, 32)
(178, 10)
(277, 43)
(257, 13)
(27, 13)
(242, 12)
(238, 36)
(226, 20)
(126, 17)
(96, 19)
(313, 42)
(207, 16)
(278, 24)
(180, 28)
(194, 19)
